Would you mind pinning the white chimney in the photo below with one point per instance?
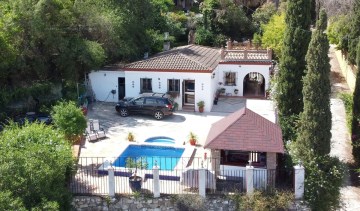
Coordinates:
(166, 45)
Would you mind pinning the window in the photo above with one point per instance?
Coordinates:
(138, 101)
(150, 101)
(230, 78)
(173, 85)
(145, 85)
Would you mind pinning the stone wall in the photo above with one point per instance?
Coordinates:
(131, 203)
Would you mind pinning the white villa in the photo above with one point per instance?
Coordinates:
(192, 73)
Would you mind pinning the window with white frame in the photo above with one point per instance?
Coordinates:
(173, 85)
(145, 85)
(230, 78)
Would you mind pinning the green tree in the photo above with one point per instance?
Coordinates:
(69, 119)
(263, 14)
(315, 121)
(354, 32)
(339, 30)
(34, 164)
(8, 202)
(273, 34)
(355, 125)
(323, 179)
(292, 64)
(225, 17)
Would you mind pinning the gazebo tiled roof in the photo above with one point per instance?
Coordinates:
(189, 58)
(247, 131)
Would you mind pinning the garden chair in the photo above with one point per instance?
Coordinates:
(90, 133)
(100, 132)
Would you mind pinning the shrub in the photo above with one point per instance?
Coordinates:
(189, 202)
(204, 36)
(69, 118)
(34, 164)
(8, 202)
(347, 98)
(258, 201)
(323, 179)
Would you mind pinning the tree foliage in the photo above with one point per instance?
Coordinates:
(315, 121)
(69, 118)
(354, 32)
(225, 17)
(355, 123)
(263, 14)
(34, 162)
(323, 179)
(273, 34)
(338, 31)
(55, 40)
(324, 174)
(292, 63)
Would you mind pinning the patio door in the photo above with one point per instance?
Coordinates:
(189, 92)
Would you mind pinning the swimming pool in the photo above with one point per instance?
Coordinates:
(160, 140)
(165, 157)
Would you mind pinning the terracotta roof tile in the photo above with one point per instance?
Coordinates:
(184, 58)
(245, 130)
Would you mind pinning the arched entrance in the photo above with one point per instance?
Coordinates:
(254, 85)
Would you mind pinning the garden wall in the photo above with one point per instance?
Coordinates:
(346, 70)
(174, 203)
(132, 203)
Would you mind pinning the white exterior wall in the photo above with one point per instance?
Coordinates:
(102, 82)
(203, 88)
(241, 70)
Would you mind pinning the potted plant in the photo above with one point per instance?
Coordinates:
(192, 139)
(201, 105)
(217, 95)
(135, 181)
(222, 90)
(236, 91)
(176, 106)
(130, 137)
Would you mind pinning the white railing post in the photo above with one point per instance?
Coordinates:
(111, 181)
(249, 179)
(299, 179)
(202, 182)
(156, 181)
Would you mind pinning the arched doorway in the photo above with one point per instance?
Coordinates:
(254, 85)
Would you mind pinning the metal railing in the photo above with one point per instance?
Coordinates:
(176, 176)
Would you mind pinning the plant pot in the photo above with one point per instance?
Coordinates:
(215, 101)
(135, 183)
(201, 109)
(192, 142)
(236, 92)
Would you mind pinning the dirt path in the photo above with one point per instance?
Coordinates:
(340, 142)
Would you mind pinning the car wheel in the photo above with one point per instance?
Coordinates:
(158, 115)
(124, 112)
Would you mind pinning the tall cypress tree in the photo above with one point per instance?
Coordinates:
(315, 121)
(355, 126)
(292, 64)
(354, 32)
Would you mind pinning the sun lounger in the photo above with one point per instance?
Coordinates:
(90, 134)
(100, 132)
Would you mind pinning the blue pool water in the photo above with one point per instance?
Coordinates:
(160, 139)
(165, 157)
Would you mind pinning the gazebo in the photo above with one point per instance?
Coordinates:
(245, 138)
